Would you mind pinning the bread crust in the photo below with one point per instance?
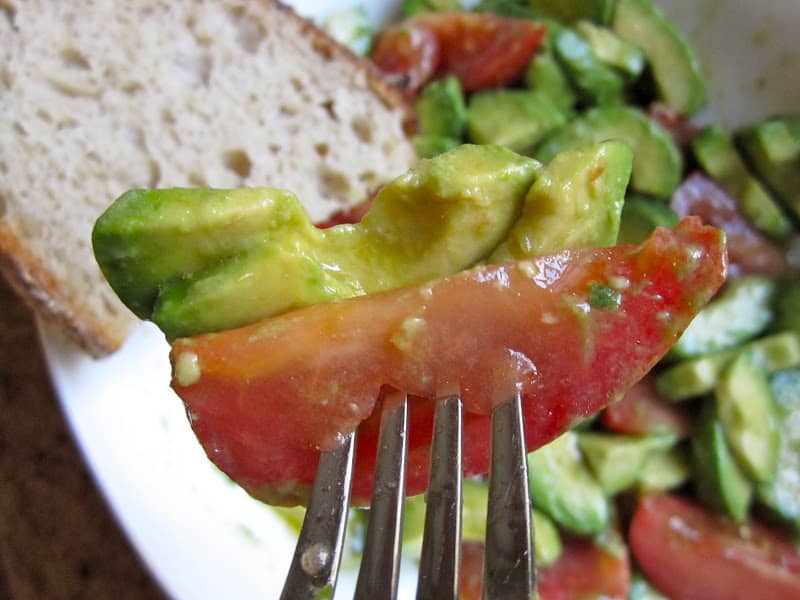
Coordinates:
(42, 293)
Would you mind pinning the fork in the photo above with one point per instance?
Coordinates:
(509, 569)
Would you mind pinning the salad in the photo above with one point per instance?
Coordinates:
(700, 454)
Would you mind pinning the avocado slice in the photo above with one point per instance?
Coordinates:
(616, 460)
(718, 480)
(664, 470)
(516, 119)
(657, 162)
(715, 151)
(575, 201)
(674, 65)
(772, 149)
(564, 489)
(194, 262)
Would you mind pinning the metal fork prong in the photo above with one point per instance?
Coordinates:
(319, 547)
(380, 563)
(441, 543)
(508, 560)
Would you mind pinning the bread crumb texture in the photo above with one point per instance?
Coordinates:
(99, 97)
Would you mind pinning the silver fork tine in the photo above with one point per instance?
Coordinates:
(441, 542)
(508, 561)
(316, 558)
(380, 563)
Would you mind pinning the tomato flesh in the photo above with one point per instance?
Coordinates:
(265, 399)
(643, 412)
(481, 49)
(690, 553)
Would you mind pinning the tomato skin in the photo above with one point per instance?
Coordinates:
(643, 412)
(470, 578)
(268, 397)
(586, 570)
(350, 214)
(481, 49)
(749, 251)
(690, 553)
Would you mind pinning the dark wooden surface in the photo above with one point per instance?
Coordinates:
(57, 536)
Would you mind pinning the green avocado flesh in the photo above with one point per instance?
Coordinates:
(203, 260)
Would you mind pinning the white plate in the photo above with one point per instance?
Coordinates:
(202, 536)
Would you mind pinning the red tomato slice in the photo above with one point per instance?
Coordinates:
(481, 49)
(586, 569)
(643, 412)
(690, 553)
(749, 251)
(350, 214)
(266, 398)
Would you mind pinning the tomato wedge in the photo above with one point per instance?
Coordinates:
(573, 331)
(688, 552)
(586, 569)
(643, 412)
(482, 49)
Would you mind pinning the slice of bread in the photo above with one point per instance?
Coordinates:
(100, 97)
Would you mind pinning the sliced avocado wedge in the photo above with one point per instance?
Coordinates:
(665, 470)
(546, 76)
(441, 109)
(516, 119)
(748, 414)
(718, 480)
(564, 489)
(674, 66)
(640, 216)
(616, 460)
(657, 162)
(194, 260)
(715, 151)
(575, 201)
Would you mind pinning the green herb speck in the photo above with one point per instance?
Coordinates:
(602, 296)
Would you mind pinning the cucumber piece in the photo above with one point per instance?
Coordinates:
(596, 83)
(773, 150)
(546, 76)
(674, 66)
(782, 494)
(563, 488)
(516, 119)
(665, 470)
(747, 411)
(428, 146)
(657, 162)
(787, 305)
(641, 589)
(715, 151)
(441, 109)
(599, 11)
(612, 50)
(699, 376)
(739, 313)
(718, 480)
(640, 216)
(616, 460)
